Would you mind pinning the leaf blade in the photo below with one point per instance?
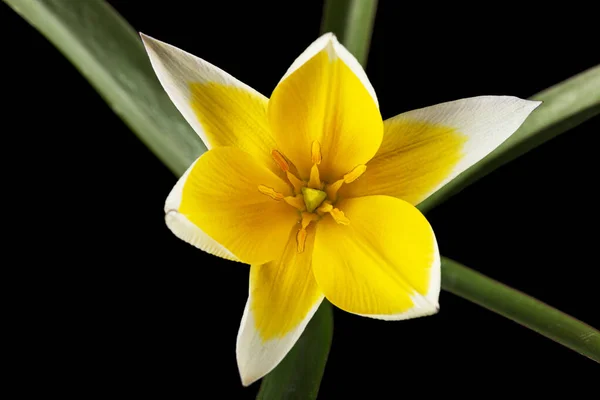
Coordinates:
(521, 308)
(110, 55)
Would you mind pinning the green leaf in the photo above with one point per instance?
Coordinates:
(299, 375)
(521, 308)
(110, 55)
(564, 106)
(352, 22)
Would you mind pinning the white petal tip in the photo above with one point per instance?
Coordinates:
(249, 373)
(149, 42)
(247, 380)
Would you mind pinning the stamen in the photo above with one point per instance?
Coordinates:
(315, 181)
(280, 160)
(316, 152)
(296, 201)
(307, 218)
(355, 173)
(325, 207)
(332, 189)
(296, 183)
(339, 217)
(270, 192)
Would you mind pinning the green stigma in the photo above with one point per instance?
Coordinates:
(313, 198)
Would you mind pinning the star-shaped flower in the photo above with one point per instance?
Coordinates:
(316, 192)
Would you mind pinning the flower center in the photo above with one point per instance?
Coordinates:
(313, 199)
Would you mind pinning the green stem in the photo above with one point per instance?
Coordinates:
(565, 105)
(521, 308)
(352, 22)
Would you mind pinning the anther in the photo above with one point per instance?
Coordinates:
(270, 192)
(316, 152)
(280, 160)
(355, 173)
(339, 217)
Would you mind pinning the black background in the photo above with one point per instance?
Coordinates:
(116, 304)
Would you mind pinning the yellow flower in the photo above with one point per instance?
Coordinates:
(317, 193)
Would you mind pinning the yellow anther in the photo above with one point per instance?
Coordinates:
(270, 192)
(315, 179)
(339, 217)
(325, 207)
(296, 183)
(355, 173)
(301, 240)
(316, 152)
(280, 160)
(332, 189)
(296, 201)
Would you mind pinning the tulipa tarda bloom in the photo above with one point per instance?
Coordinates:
(316, 192)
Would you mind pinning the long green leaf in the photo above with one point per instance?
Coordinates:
(564, 106)
(352, 22)
(521, 308)
(299, 375)
(110, 55)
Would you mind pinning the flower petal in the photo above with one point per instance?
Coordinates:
(220, 108)
(424, 149)
(384, 265)
(283, 298)
(186, 230)
(220, 196)
(325, 96)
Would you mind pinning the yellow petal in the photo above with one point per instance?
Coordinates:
(283, 298)
(424, 149)
(222, 110)
(220, 196)
(385, 264)
(325, 97)
(186, 230)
